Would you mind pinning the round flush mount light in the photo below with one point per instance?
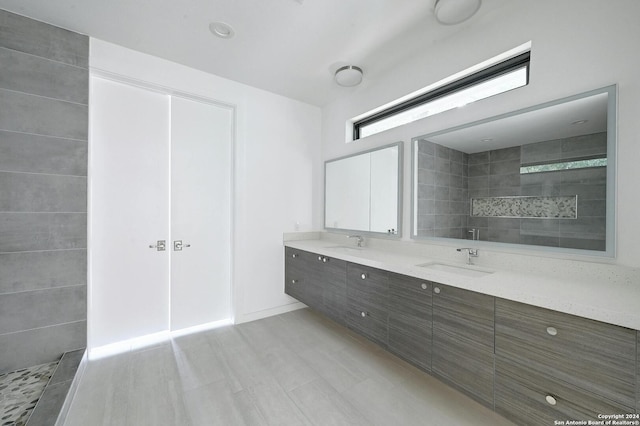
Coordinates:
(348, 76)
(452, 12)
(221, 29)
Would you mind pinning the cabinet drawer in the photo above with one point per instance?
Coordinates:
(410, 296)
(333, 272)
(521, 396)
(464, 316)
(597, 357)
(410, 338)
(410, 319)
(302, 289)
(369, 289)
(360, 320)
(463, 333)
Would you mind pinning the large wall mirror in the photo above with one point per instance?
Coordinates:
(542, 177)
(363, 191)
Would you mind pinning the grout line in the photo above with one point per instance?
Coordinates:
(42, 174)
(42, 289)
(27, 212)
(40, 328)
(47, 59)
(44, 251)
(45, 97)
(45, 136)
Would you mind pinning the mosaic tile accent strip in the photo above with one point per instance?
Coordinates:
(565, 207)
(20, 390)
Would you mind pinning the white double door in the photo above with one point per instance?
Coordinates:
(160, 170)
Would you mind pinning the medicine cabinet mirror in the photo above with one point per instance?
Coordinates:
(363, 191)
(541, 177)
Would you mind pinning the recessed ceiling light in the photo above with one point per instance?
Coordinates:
(222, 30)
(348, 76)
(452, 12)
(486, 140)
(579, 121)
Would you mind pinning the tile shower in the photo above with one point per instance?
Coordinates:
(43, 206)
(487, 191)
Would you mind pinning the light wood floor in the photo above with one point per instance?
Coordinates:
(292, 369)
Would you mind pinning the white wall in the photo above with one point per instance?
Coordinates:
(577, 45)
(277, 170)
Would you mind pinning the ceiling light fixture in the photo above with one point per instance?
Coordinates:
(452, 12)
(222, 30)
(348, 76)
(579, 122)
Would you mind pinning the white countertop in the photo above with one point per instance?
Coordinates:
(606, 293)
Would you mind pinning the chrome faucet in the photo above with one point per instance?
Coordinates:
(471, 252)
(359, 237)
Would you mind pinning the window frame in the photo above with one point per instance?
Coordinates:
(481, 76)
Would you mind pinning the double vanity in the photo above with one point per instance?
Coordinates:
(534, 345)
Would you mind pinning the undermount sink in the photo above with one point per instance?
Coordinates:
(347, 249)
(463, 270)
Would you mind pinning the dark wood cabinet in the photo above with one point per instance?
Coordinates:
(530, 364)
(367, 302)
(567, 366)
(317, 281)
(463, 346)
(409, 321)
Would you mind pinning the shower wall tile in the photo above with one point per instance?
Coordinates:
(26, 192)
(21, 152)
(584, 146)
(44, 93)
(583, 243)
(42, 231)
(505, 154)
(44, 40)
(42, 116)
(43, 77)
(40, 308)
(42, 269)
(40, 345)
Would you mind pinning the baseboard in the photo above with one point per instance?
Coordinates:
(253, 316)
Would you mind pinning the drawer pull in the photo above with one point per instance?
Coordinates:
(551, 400)
(436, 290)
(294, 255)
(320, 258)
(294, 281)
(363, 276)
(363, 314)
(424, 286)
(325, 259)
(552, 331)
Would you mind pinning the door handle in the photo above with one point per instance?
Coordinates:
(161, 245)
(178, 245)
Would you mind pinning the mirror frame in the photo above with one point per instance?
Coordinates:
(398, 234)
(611, 201)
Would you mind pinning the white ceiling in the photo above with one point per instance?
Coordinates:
(290, 47)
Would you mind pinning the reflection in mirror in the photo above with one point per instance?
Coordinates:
(362, 191)
(541, 177)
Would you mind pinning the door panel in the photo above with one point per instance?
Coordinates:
(201, 159)
(129, 210)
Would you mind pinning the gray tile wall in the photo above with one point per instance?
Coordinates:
(43, 191)
(497, 174)
(443, 201)
(442, 213)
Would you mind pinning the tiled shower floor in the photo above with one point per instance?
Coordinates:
(20, 391)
